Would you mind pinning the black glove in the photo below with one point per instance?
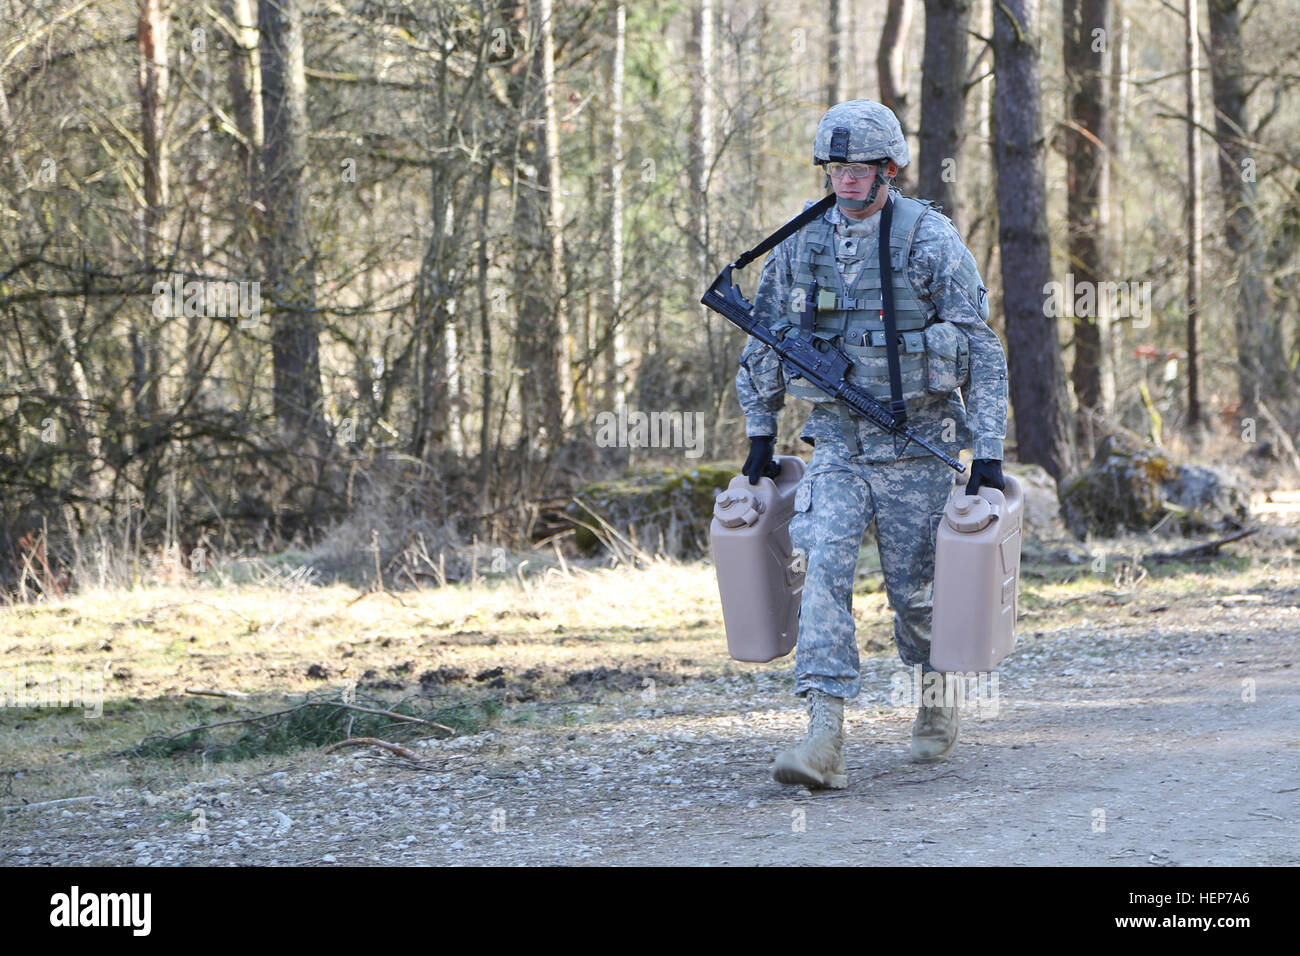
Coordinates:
(985, 471)
(759, 464)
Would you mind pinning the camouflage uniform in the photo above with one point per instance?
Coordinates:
(857, 473)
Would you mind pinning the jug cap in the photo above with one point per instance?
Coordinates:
(735, 509)
(968, 513)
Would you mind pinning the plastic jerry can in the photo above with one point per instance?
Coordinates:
(976, 577)
(760, 577)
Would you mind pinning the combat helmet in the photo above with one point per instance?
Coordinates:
(860, 131)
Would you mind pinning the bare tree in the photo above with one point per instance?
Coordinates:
(943, 102)
(486, 450)
(1192, 48)
(1117, 137)
(245, 79)
(1262, 371)
(245, 82)
(1037, 375)
(616, 355)
(539, 324)
(286, 253)
(700, 57)
(1083, 139)
(836, 67)
(555, 212)
(889, 58)
(147, 344)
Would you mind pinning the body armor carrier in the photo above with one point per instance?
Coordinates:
(850, 318)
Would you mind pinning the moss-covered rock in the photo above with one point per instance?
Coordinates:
(660, 511)
(1131, 485)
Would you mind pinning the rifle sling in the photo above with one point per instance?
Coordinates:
(896, 404)
(789, 229)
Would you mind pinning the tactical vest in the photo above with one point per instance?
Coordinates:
(851, 318)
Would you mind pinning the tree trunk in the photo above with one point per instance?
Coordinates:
(836, 65)
(198, 331)
(1037, 379)
(1261, 357)
(245, 80)
(760, 127)
(1086, 176)
(1192, 48)
(451, 419)
(539, 326)
(555, 217)
(146, 342)
(286, 254)
(1119, 173)
(245, 84)
(446, 413)
(982, 203)
(1117, 140)
(616, 357)
(889, 58)
(486, 465)
(435, 306)
(700, 63)
(943, 102)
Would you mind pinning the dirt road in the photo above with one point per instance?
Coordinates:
(1145, 734)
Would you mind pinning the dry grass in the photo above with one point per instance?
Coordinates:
(558, 636)
(272, 641)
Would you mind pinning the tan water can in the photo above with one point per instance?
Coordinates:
(760, 577)
(976, 577)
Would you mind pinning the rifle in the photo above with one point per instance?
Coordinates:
(817, 361)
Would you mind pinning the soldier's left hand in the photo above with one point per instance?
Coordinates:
(985, 471)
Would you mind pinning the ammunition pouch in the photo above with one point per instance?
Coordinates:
(947, 356)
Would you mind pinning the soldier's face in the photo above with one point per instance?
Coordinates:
(846, 187)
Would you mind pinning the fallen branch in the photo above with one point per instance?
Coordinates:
(215, 693)
(303, 706)
(237, 720)
(395, 716)
(48, 803)
(372, 742)
(1056, 605)
(606, 534)
(1210, 549)
(381, 592)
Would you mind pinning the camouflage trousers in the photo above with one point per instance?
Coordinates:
(836, 500)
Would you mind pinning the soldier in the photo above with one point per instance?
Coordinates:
(825, 281)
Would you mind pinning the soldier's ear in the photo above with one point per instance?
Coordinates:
(892, 169)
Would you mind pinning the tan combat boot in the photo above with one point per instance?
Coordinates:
(934, 733)
(819, 760)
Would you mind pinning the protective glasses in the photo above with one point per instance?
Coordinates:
(854, 170)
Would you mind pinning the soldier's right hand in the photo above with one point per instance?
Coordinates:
(759, 464)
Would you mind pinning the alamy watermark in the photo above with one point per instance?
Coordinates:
(213, 299)
(1114, 300)
(85, 690)
(636, 429)
(977, 690)
(75, 908)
